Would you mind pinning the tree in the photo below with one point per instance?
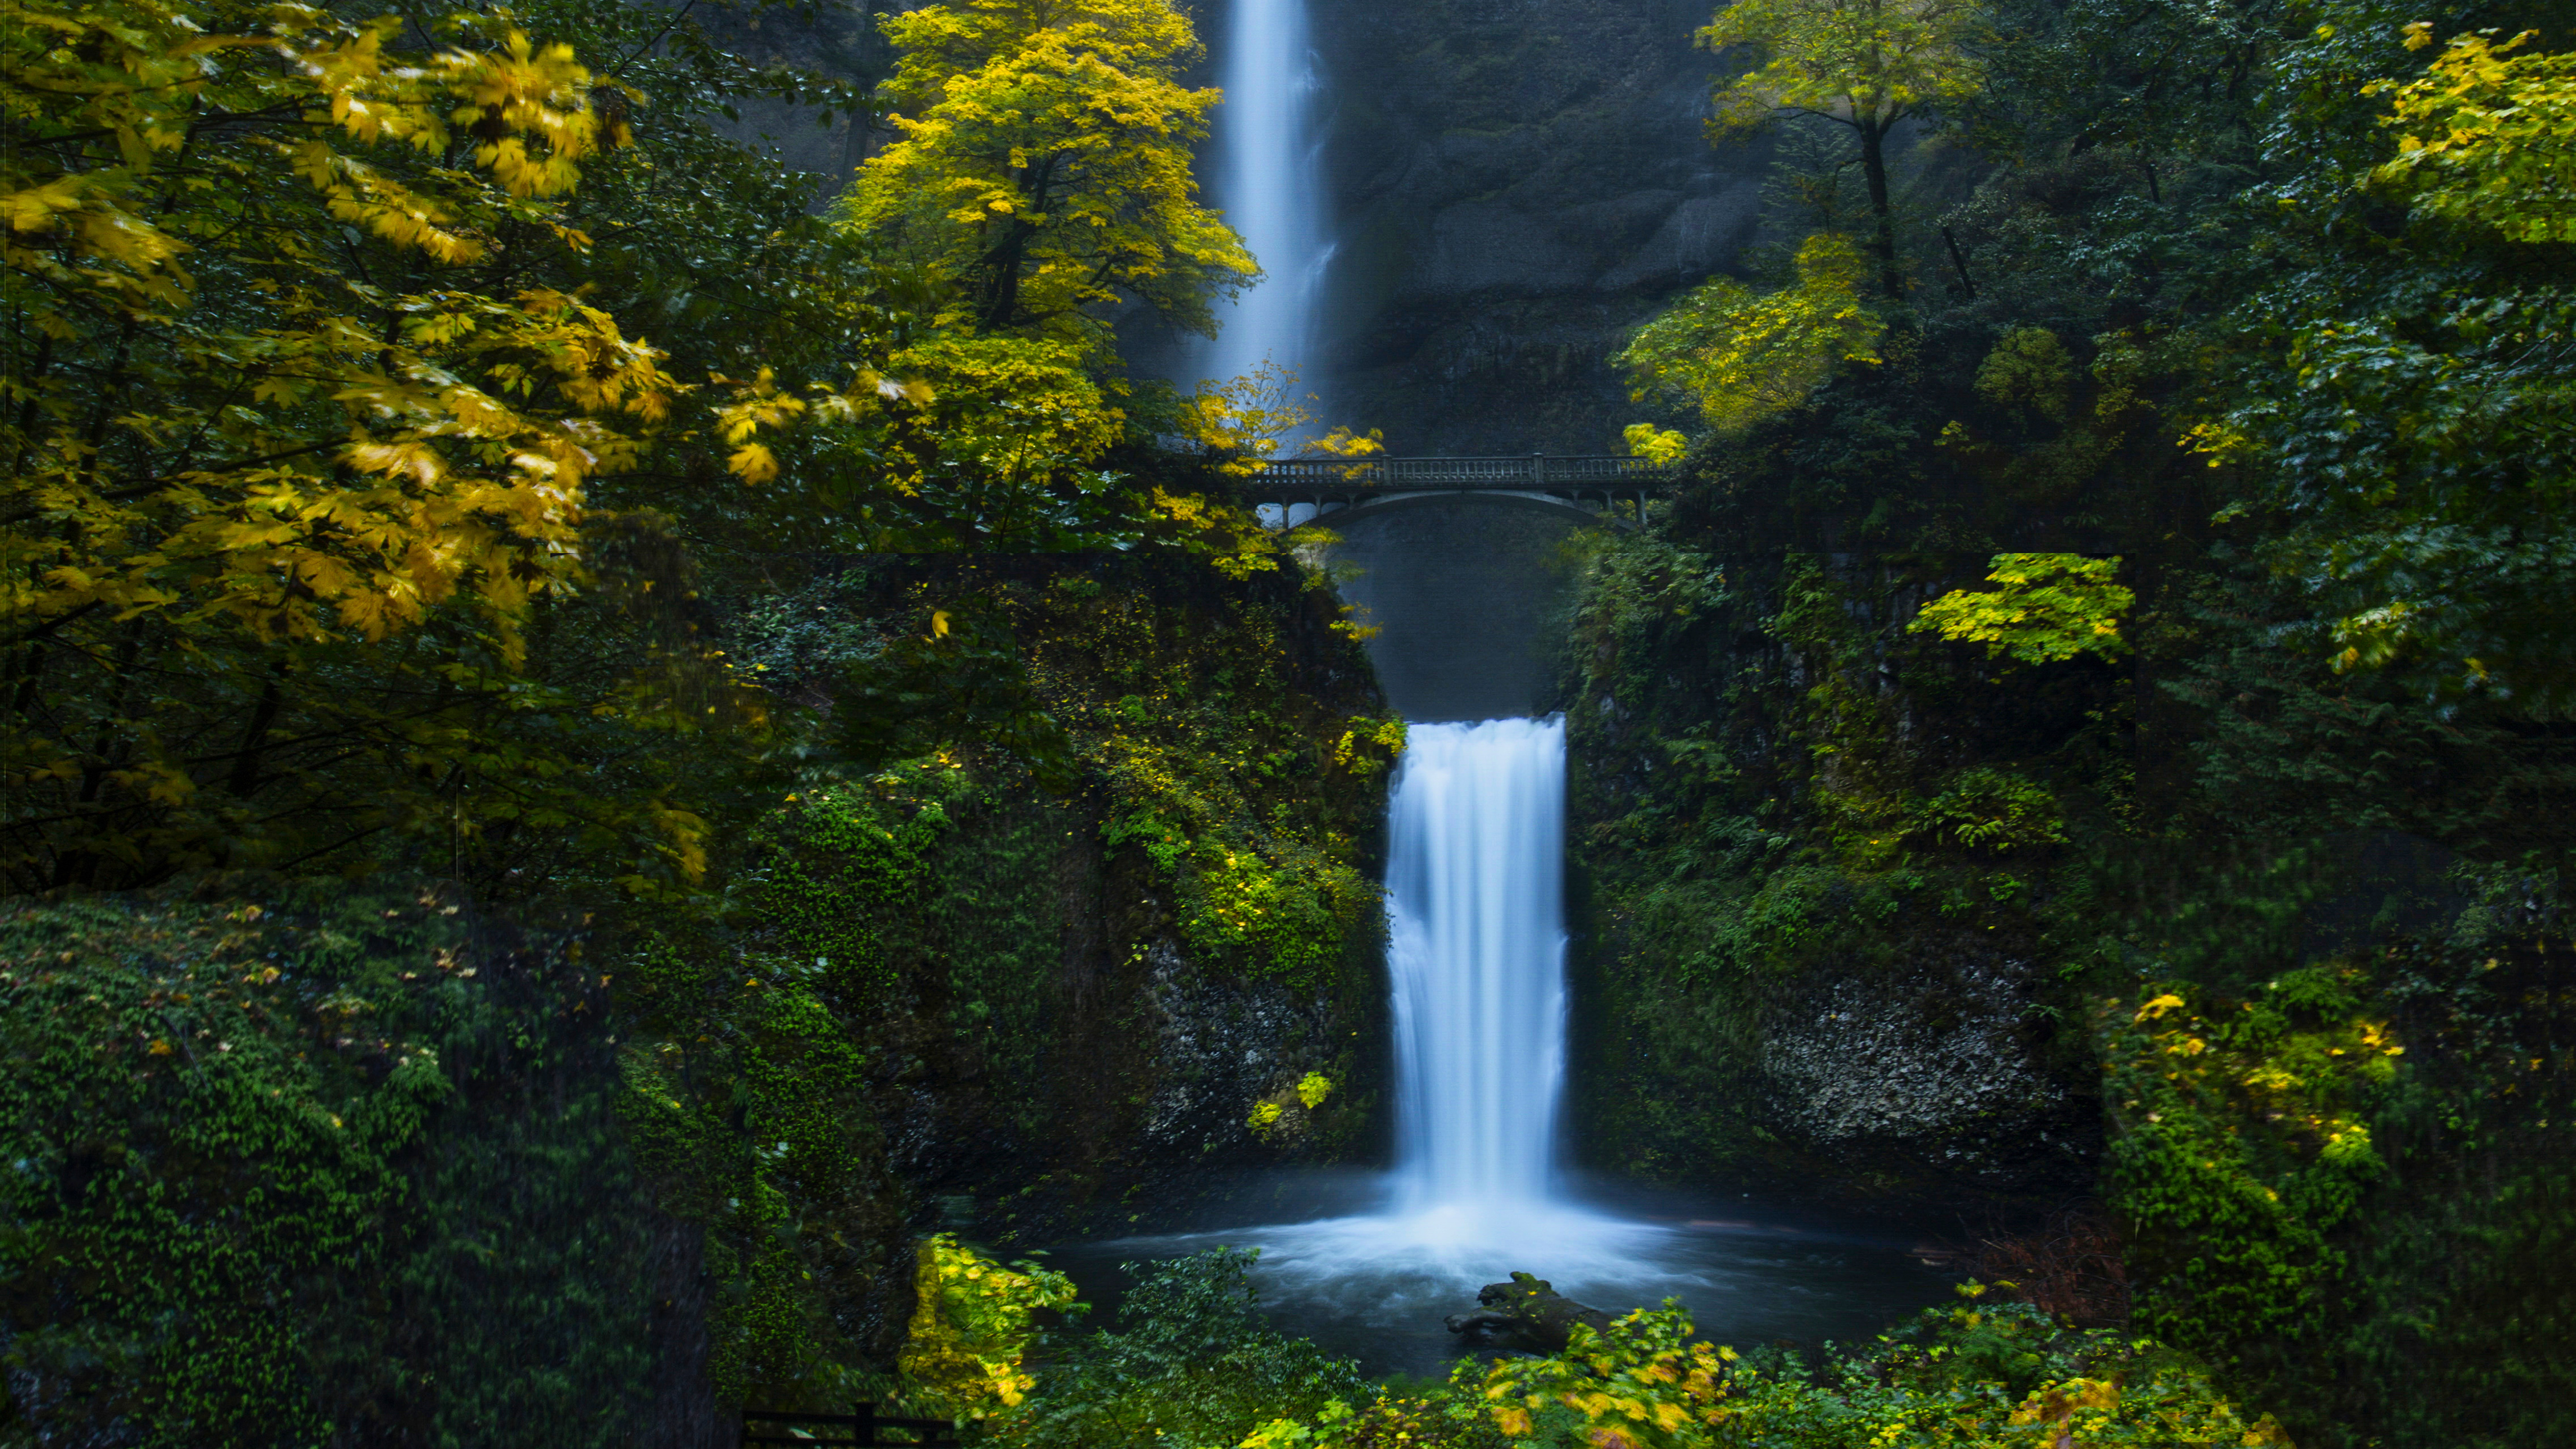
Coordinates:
(1046, 163)
(1867, 64)
(1741, 356)
(2489, 136)
(2401, 406)
(299, 429)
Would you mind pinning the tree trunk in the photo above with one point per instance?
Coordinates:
(1873, 165)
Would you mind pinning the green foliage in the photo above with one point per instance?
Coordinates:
(2319, 1208)
(1740, 356)
(1865, 64)
(2234, 1223)
(1975, 1376)
(1989, 809)
(973, 1323)
(1853, 60)
(2051, 608)
(911, 923)
(303, 1162)
(1190, 1363)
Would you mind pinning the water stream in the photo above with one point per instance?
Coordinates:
(1477, 964)
(1268, 184)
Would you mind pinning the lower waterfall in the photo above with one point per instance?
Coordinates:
(1476, 964)
(1476, 953)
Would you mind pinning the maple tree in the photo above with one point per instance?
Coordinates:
(1045, 163)
(288, 469)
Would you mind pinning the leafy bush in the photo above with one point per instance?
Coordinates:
(1972, 1376)
(1190, 1363)
(972, 1325)
(2051, 607)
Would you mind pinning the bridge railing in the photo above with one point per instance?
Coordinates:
(1535, 472)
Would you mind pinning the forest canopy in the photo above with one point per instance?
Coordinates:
(387, 393)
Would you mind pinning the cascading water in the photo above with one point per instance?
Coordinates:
(1269, 187)
(1477, 961)
(1477, 954)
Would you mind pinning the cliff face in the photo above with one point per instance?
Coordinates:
(1510, 189)
(1513, 187)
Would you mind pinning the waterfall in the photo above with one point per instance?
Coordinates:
(1476, 963)
(1268, 185)
(1477, 958)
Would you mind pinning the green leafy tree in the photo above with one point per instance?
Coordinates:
(2051, 608)
(1740, 356)
(2408, 444)
(1865, 64)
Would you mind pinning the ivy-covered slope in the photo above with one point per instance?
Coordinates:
(308, 1162)
(296, 1163)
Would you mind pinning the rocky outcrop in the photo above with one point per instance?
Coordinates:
(1935, 1066)
(1221, 1043)
(1526, 1315)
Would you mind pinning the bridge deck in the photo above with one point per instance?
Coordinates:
(1350, 480)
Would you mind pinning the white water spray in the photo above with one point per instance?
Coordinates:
(1269, 187)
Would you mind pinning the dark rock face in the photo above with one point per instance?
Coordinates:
(1931, 1072)
(1468, 594)
(1513, 188)
(1527, 1315)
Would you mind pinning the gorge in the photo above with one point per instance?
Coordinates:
(663, 762)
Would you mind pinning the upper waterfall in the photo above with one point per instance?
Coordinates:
(1269, 186)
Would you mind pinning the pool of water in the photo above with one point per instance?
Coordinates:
(1375, 1284)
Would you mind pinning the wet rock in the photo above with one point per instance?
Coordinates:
(1526, 1314)
(1935, 1067)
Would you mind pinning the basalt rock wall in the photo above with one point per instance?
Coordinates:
(1512, 188)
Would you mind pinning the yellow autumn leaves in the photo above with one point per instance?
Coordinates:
(2487, 135)
(466, 427)
(972, 1324)
(1739, 355)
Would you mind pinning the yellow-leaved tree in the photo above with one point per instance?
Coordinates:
(1045, 163)
(272, 429)
(1867, 64)
(1740, 356)
(1043, 177)
(2487, 135)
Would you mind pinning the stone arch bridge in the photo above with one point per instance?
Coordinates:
(1464, 566)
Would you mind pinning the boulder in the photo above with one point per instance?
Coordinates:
(1527, 1314)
